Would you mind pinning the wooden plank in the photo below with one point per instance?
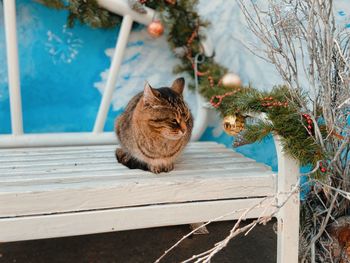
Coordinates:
(81, 152)
(133, 176)
(108, 155)
(56, 139)
(63, 149)
(123, 176)
(70, 224)
(46, 160)
(225, 163)
(99, 194)
(122, 172)
(111, 181)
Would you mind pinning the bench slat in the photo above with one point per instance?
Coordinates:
(110, 154)
(49, 180)
(102, 194)
(64, 149)
(113, 165)
(25, 182)
(43, 226)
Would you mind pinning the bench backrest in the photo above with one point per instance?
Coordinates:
(96, 136)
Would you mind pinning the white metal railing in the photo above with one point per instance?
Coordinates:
(12, 67)
(97, 136)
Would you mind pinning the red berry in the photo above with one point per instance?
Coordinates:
(309, 127)
(323, 170)
(309, 121)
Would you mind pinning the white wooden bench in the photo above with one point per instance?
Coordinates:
(55, 185)
(63, 191)
(50, 192)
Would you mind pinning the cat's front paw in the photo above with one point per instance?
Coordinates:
(121, 156)
(155, 169)
(161, 169)
(168, 168)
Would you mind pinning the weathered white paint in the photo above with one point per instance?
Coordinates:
(79, 184)
(12, 66)
(113, 73)
(51, 189)
(111, 167)
(56, 139)
(288, 216)
(201, 118)
(81, 223)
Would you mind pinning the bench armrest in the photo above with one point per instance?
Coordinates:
(288, 215)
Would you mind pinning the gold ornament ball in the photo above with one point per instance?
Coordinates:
(233, 124)
(231, 80)
(155, 28)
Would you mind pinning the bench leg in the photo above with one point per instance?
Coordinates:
(288, 216)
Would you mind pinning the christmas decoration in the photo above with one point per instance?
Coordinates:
(87, 12)
(155, 29)
(233, 124)
(231, 80)
(283, 117)
(308, 122)
(222, 89)
(269, 102)
(211, 81)
(219, 98)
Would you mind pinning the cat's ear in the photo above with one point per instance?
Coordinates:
(149, 94)
(178, 85)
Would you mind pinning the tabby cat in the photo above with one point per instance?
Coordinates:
(154, 129)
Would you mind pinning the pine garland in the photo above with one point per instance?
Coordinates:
(183, 25)
(284, 115)
(85, 11)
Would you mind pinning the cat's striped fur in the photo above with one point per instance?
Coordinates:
(154, 129)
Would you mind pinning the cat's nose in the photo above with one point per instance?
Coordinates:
(183, 127)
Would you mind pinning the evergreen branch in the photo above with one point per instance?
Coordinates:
(55, 4)
(257, 132)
